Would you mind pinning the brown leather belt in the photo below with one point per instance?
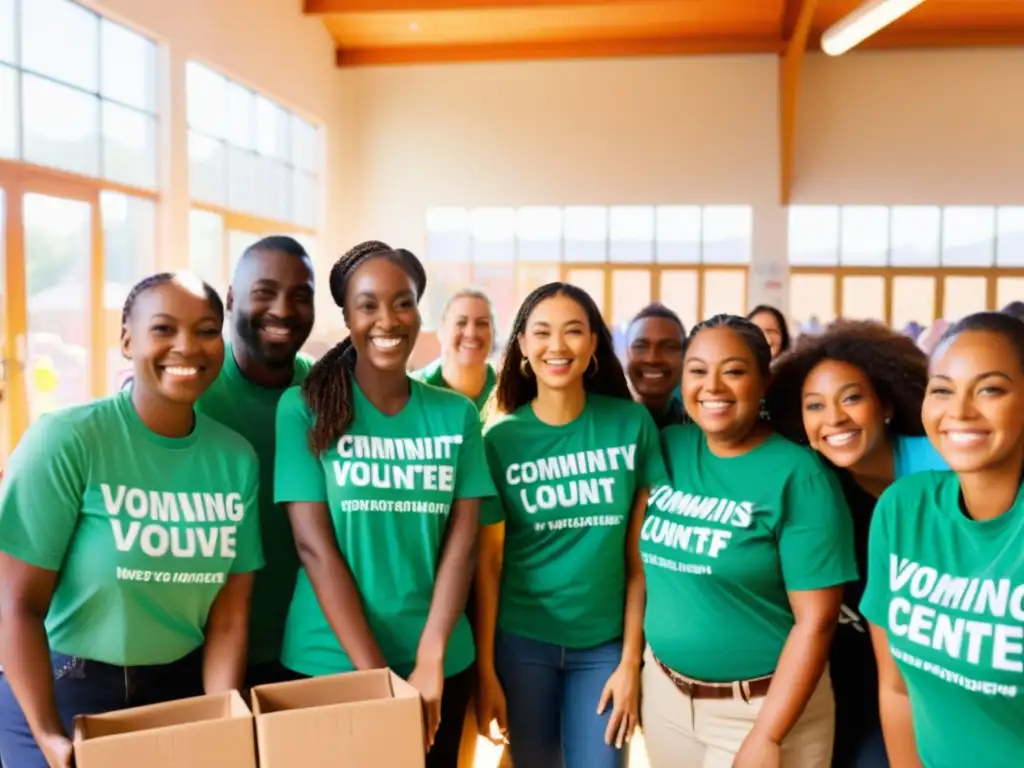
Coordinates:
(741, 689)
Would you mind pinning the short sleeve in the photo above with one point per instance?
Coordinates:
(298, 473)
(249, 548)
(816, 535)
(874, 603)
(492, 510)
(650, 463)
(472, 478)
(41, 494)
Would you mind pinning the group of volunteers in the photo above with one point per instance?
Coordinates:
(763, 551)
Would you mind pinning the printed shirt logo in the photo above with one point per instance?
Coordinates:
(178, 525)
(543, 488)
(925, 609)
(396, 464)
(662, 527)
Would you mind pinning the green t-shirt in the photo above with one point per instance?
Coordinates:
(949, 591)
(725, 542)
(250, 410)
(565, 495)
(389, 485)
(142, 529)
(433, 374)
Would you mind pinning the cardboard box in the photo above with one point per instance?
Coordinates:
(371, 719)
(203, 732)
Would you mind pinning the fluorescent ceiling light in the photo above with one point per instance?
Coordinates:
(862, 23)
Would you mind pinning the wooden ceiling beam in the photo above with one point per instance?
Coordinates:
(327, 7)
(567, 49)
(790, 67)
(790, 13)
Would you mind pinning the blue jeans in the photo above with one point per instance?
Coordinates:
(84, 687)
(552, 695)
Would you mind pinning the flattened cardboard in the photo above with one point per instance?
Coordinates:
(371, 719)
(203, 732)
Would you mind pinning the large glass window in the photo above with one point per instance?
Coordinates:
(77, 92)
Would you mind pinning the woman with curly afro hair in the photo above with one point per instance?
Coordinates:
(854, 393)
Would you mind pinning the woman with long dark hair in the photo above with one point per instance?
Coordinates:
(559, 582)
(774, 326)
(853, 393)
(382, 477)
(945, 591)
(746, 550)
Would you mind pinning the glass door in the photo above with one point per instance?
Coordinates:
(53, 332)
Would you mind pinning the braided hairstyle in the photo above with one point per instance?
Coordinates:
(327, 389)
(514, 389)
(161, 278)
(748, 333)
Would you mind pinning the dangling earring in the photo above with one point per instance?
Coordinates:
(524, 367)
(593, 373)
(763, 414)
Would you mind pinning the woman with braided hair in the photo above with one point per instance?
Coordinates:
(131, 524)
(382, 477)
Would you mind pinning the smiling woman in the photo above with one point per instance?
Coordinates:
(162, 565)
(945, 591)
(382, 478)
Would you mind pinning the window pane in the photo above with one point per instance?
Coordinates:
(8, 112)
(1009, 289)
(448, 235)
(678, 292)
(497, 280)
(207, 168)
(725, 290)
(631, 231)
(443, 284)
(533, 276)
(206, 247)
(631, 292)
(494, 235)
(273, 189)
(305, 152)
(304, 199)
(678, 234)
(865, 235)
(540, 234)
(968, 236)
(60, 39)
(864, 298)
(728, 234)
(591, 281)
(129, 242)
(206, 92)
(963, 296)
(812, 297)
(243, 180)
(915, 238)
(586, 233)
(7, 34)
(61, 127)
(58, 237)
(913, 300)
(1011, 237)
(814, 235)
(128, 67)
(271, 129)
(129, 146)
(241, 118)
(238, 241)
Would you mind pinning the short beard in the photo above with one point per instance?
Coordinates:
(247, 332)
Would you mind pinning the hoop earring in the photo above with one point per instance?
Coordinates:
(593, 373)
(524, 367)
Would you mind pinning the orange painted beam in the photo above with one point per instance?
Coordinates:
(324, 7)
(562, 49)
(894, 37)
(790, 66)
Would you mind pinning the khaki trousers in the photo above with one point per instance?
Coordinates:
(707, 733)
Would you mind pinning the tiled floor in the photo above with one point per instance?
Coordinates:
(487, 754)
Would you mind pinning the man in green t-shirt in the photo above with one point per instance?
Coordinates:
(272, 313)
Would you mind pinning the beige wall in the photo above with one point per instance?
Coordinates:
(942, 127)
(271, 47)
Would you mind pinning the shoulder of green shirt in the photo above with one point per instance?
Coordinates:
(224, 439)
(912, 489)
(444, 397)
(303, 364)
